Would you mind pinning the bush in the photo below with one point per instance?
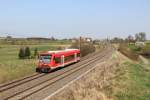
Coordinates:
(86, 48)
(24, 53)
(123, 48)
(27, 52)
(21, 53)
(135, 48)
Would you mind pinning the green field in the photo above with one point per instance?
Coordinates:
(134, 84)
(11, 67)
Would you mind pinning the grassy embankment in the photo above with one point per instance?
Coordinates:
(124, 49)
(11, 67)
(118, 78)
(134, 84)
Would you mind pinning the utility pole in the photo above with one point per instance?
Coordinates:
(80, 45)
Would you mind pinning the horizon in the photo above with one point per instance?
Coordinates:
(68, 19)
(4, 36)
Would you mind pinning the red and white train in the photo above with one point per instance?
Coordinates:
(53, 59)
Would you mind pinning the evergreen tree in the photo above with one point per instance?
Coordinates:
(27, 52)
(21, 54)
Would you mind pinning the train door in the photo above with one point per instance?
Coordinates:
(62, 60)
(75, 57)
(57, 61)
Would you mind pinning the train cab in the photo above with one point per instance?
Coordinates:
(53, 59)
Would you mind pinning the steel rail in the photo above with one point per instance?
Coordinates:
(95, 58)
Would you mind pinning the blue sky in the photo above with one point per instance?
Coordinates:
(72, 18)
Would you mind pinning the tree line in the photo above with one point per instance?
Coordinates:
(141, 37)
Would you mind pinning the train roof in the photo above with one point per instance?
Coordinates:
(61, 51)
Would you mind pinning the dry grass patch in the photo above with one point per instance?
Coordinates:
(118, 78)
(20, 68)
(12, 68)
(96, 84)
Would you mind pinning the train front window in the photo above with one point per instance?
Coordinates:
(45, 58)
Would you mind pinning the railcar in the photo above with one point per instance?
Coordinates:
(54, 59)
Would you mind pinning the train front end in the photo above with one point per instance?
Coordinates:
(45, 62)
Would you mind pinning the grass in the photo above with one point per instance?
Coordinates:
(134, 84)
(137, 49)
(134, 48)
(91, 85)
(117, 78)
(34, 42)
(132, 51)
(124, 49)
(11, 67)
(146, 48)
(143, 50)
(17, 68)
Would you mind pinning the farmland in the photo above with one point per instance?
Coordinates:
(11, 67)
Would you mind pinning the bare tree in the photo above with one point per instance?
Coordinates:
(140, 36)
(130, 39)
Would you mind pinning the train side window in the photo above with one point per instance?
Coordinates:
(71, 57)
(57, 60)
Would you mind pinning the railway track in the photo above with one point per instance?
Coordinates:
(21, 81)
(64, 75)
(26, 79)
(24, 93)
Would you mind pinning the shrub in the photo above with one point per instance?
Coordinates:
(35, 52)
(123, 48)
(27, 52)
(21, 53)
(135, 48)
(86, 48)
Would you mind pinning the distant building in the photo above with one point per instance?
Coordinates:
(88, 39)
(82, 39)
